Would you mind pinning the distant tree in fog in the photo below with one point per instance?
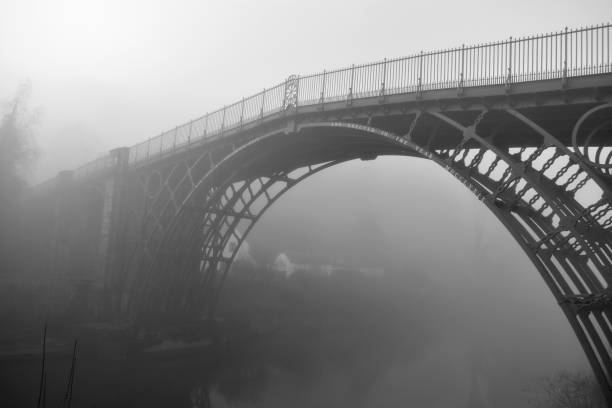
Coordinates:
(17, 155)
(570, 390)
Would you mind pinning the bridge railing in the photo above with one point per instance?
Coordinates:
(228, 118)
(101, 164)
(558, 55)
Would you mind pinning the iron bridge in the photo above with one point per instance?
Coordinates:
(525, 124)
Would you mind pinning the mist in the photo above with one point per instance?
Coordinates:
(109, 74)
(479, 290)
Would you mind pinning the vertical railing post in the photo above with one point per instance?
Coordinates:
(241, 113)
(461, 73)
(174, 141)
(285, 94)
(189, 134)
(381, 92)
(509, 62)
(608, 42)
(350, 95)
(148, 148)
(297, 93)
(223, 120)
(205, 125)
(263, 101)
(420, 83)
(564, 79)
(597, 64)
(322, 98)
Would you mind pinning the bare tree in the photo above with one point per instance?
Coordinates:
(570, 390)
(17, 154)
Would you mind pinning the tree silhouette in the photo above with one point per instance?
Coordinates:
(17, 154)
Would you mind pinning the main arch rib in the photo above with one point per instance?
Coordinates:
(567, 239)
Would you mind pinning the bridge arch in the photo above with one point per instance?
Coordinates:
(553, 203)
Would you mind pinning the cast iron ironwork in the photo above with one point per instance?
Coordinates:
(525, 124)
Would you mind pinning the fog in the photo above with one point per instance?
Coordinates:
(109, 73)
(409, 216)
(113, 73)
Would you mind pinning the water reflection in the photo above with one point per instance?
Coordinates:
(342, 339)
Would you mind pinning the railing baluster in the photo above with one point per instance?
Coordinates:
(297, 93)
(576, 51)
(591, 66)
(263, 101)
(564, 80)
(241, 112)
(323, 89)
(223, 120)
(420, 71)
(602, 49)
(174, 141)
(461, 75)
(509, 63)
(205, 125)
(350, 95)
(384, 76)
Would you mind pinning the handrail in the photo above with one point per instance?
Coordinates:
(557, 55)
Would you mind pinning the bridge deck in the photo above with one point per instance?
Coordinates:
(570, 66)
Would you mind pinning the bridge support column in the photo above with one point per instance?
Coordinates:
(57, 261)
(110, 252)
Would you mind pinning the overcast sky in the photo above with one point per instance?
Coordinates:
(109, 73)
